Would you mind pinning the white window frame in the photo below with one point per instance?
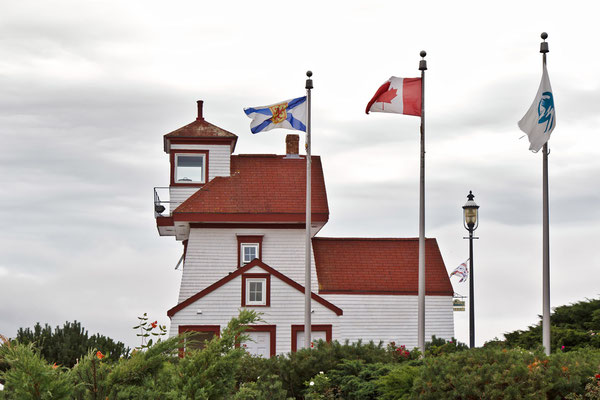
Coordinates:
(243, 246)
(177, 155)
(263, 282)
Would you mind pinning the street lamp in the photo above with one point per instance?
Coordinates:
(471, 222)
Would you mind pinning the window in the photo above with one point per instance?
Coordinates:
(256, 290)
(200, 335)
(249, 252)
(318, 332)
(189, 168)
(249, 248)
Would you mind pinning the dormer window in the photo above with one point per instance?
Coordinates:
(249, 248)
(189, 167)
(249, 251)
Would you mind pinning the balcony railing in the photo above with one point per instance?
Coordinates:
(162, 202)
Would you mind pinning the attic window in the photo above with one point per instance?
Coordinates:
(190, 168)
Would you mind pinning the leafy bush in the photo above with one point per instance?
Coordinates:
(504, 374)
(573, 327)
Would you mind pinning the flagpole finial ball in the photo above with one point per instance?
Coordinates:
(544, 35)
(309, 73)
(423, 53)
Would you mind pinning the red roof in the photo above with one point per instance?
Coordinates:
(261, 188)
(378, 266)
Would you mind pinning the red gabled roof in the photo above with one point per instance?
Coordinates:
(261, 188)
(239, 272)
(378, 266)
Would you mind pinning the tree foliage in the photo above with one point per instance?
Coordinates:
(64, 346)
(573, 327)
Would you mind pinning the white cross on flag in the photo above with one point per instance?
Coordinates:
(398, 96)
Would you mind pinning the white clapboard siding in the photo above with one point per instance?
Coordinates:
(219, 164)
(213, 253)
(391, 318)
(287, 309)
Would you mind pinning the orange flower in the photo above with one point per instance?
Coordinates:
(565, 369)
(99, 355)
(153, 324)
(54, 366)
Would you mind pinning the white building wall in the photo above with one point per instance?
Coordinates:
(391, 318)
(213, 253)
(219, 164)
(287, 309)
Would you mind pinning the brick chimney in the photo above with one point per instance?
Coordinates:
(200, 117)
(291, 146)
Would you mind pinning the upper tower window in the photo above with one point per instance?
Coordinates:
(189, 168)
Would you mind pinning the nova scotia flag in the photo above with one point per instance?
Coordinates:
(289, 114)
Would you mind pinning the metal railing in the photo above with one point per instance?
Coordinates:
(162, 202)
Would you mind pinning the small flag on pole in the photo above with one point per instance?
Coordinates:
(398, 96)
(461, 271)
(289, 114)
(540, 120)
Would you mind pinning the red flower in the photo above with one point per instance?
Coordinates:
(99, 355)
(597, 376)
(153, 324)
(312, 344)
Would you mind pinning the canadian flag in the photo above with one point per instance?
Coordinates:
(398, 96)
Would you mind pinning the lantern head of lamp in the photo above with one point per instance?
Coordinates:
(470, 211)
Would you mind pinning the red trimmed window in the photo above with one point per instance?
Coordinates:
(189, 167)
(249, 248)
(317, 332)
(262, 340)
(256, 290)
(201, 334)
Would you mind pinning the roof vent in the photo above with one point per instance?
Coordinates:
(200, 117)
(291, 146)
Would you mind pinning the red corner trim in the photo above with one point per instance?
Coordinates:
(267, 289)
(319, 328)
(164, 221)
(247, 217)
(242, 270)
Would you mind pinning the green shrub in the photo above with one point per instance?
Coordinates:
(29, 376)
(398, 383)
(264, 388)
(505, 374)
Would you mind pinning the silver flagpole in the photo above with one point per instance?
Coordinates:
(307, 285)
(421, 299)
(546, 229)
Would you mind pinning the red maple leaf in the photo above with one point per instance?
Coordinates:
(388, 96)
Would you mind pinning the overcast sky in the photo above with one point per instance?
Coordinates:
(88, 89)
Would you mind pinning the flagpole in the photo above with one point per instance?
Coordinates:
(307, 283)
(421, 297)
(546, 230)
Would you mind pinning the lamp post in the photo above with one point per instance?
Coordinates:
(471, 222)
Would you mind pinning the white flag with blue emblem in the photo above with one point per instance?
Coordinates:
(289, 114)
(540, 120)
